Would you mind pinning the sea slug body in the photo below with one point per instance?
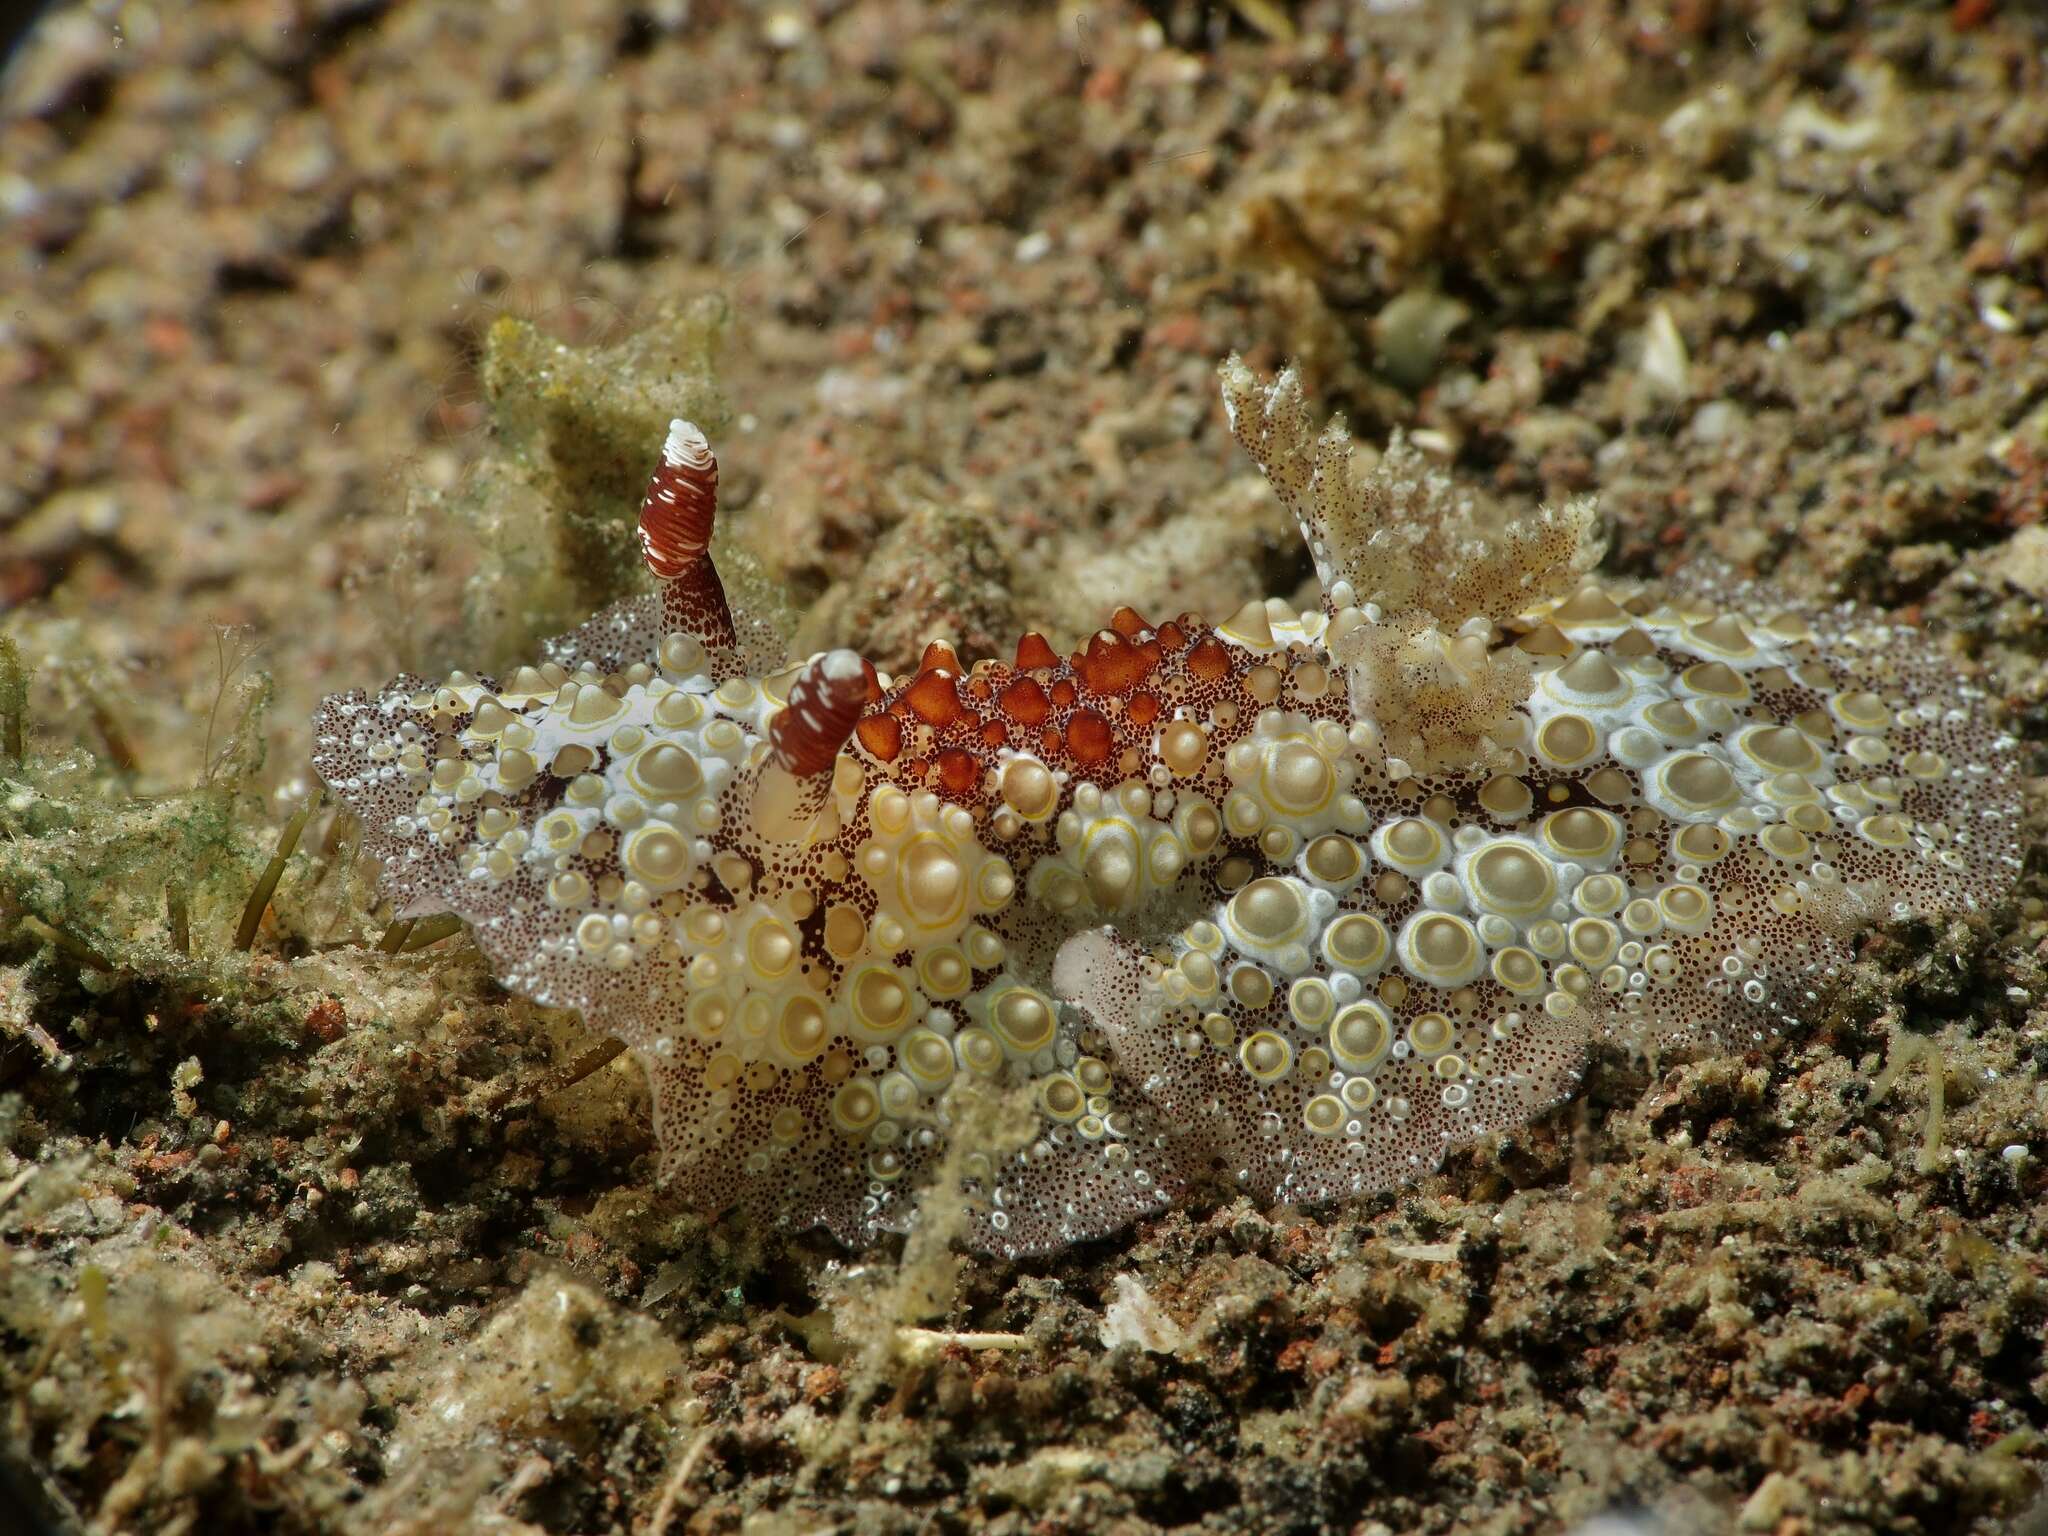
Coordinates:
(1303, 899)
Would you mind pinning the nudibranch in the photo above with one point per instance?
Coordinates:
(1298, 901)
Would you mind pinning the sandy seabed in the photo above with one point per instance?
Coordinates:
(331, 335)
